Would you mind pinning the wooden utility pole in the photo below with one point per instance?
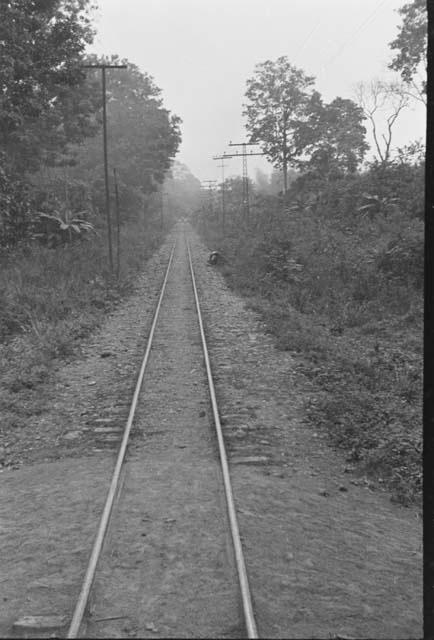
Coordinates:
(222, 166)
(428, 380)
(103, 68)
(162, 193)
(118, 227)
(209, 189)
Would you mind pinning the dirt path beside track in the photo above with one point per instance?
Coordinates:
(325, 556)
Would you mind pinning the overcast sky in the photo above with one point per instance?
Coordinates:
(201, 52)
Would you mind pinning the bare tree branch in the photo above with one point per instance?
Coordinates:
(382, 102)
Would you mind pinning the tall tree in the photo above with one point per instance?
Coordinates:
(143, 136)
(42, 105)
(279, 95)
(411, 47)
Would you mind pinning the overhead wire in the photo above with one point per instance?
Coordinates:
(307, 38)
(357, 31)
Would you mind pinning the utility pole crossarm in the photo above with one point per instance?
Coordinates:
(240, 155)
(242, 144)
(104, 66)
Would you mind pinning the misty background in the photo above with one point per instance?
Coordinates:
(201, 54)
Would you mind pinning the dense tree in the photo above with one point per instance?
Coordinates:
(278, 97)
(43, 106)
(333, 137)
(411, 47)
(143, 137)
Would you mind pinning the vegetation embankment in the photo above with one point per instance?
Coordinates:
(347, 302)
(331, 252)
(51, 299)
(56, 282)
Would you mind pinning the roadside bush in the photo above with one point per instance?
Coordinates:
(403, 257)
(15, 209)
(336, 273)
(40, 287)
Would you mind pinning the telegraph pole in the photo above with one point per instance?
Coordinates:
(162, 194)
(118, 226)
(103, 68)
(244, 155)
(222, 167)
(209, 189)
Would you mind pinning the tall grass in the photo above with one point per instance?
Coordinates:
(52, 298)
(344, 294)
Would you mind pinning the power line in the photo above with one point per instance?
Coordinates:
(351, 38)
(307, 38)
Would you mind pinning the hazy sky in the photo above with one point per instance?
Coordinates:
(201, 52)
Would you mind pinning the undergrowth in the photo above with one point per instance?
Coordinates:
(346, 300)
(50, 299)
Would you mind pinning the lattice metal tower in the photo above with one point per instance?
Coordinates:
(244, 155)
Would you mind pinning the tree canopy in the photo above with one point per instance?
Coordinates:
(143, 136)
(333, 137)
(278, 97)
(295, 127)
(43, 103)
(51, 115)
(411, 46)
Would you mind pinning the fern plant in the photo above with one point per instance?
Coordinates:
(63, 225)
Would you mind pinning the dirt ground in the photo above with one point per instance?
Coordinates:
(326, 554)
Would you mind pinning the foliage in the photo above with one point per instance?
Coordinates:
(274, 259)
(15, 206)
(375, 205)
(333, 137)
(51, 299)
(43, 105)
(338, 282)
(399, 185)
(411, 47)
(279, 95)
(403, 257)
(295, 127)
(62, 227)
(41, 289)
(143, 137)
(403, 182)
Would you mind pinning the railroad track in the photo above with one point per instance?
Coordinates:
(114, 492)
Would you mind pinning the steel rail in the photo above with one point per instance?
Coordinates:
(86, 587)
(239, 556)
